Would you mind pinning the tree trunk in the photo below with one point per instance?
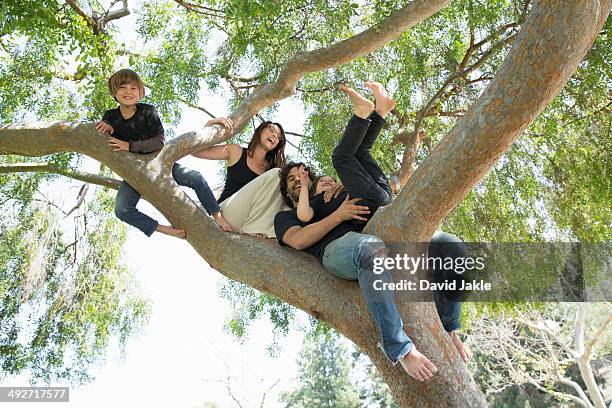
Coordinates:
(554, 39)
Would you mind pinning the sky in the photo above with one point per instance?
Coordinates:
(184, 357)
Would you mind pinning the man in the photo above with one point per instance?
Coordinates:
(333, 230)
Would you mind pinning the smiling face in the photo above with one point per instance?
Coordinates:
(270, 137)
(294, 184)
(126, 87)
(128, 94)
(324, 183)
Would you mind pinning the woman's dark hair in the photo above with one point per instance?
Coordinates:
(283, 180)
(276, 156)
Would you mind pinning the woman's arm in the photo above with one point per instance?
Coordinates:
(229, 152)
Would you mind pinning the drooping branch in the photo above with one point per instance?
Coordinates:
(299, 65)
(52, 168)
(547, 51)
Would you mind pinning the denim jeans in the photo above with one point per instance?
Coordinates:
(127, 198)
(351, 257)
(360, 174)
(445, 245)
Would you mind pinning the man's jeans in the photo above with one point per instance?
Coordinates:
(127, 198)
(352, 256)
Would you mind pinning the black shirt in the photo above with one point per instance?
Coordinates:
(287, 219)
(144, 131)
(238, 175)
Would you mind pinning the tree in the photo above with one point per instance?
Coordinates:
(324, 366)
(539, 347)
(552, 41)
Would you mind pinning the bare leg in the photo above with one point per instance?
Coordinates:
(384, 103)
(362, 107)
(418, 366)
(169, 230)
(221, 222)
(463, 350)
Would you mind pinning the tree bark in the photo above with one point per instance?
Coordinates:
(554, 39)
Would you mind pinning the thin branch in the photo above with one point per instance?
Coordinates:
(550, 333)
(263, 398)
(201, 108)
(559, 395)
(80, 199)
(589, 347)
(297, 135)
(201, 9)
(51, 168)
(577, 388)
(463, 72)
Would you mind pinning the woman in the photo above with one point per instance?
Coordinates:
(251, 195)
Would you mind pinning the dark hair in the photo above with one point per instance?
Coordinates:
(122, 77)
(276, 156)
(283, 179)
(315, 181)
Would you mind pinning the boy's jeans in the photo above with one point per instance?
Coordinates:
(351, 257)
(127, 198)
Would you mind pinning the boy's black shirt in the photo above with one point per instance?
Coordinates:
(144, 130)
(287, 219)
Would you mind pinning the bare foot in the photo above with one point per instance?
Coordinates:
(221, 222)
(169, 230)
(463, 350)
(418, 366)
(362, 107)
(384, 103)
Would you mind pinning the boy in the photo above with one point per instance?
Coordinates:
(136, 127)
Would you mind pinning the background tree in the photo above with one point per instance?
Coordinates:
(541, 347)
(324, 366)
(266, 52)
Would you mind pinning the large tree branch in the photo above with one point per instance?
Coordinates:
(305, 62)
(52, 168)
(551, 44)
(292, 276)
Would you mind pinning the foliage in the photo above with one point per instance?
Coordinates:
(62, 303)
(324, 366)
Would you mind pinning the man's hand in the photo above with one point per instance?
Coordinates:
(348, 210)
(225, 122)
(103, 127)
(117, 145)
(333, 192)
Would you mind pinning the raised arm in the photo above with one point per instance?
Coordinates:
(304, 210)
(302, 237)
(229, 152)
